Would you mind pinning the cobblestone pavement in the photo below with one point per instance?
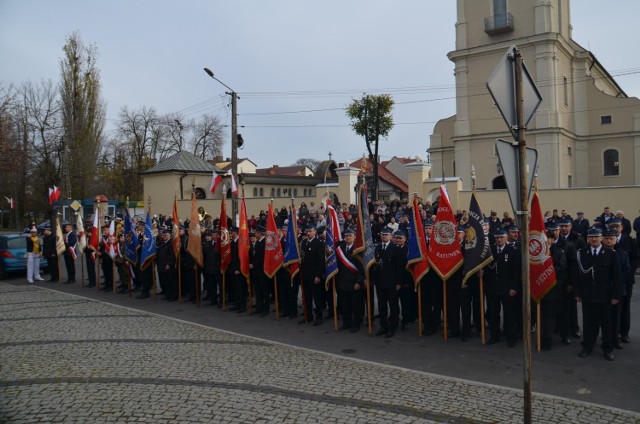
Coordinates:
(65, 358)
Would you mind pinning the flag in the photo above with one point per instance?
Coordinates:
(12, 203)
(364, 228)
(444, 253)
(337, 237)
(148, 253)
(243, 240)
(417, 262)
(131, 242)
(234, 187)
(81, 244)
(330, 258)
(216, 180)
(94, 242)
(273, 256)
(60, 247)
(292, 249)
(112, 242)
(477, 251)
(542, 274)
(194, 243)
(54, 194)
(175, 229)
(225, 242)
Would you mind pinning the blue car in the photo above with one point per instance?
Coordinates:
(13, 251)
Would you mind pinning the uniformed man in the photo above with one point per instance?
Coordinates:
(407, 294)
(288, 302)
(258, 278)
(389, 274)
(503, 281)
(598, 286)
(581, 224)
(166, 262)
(350, 284)
(431, 293)
(49, 253)
(568, 320)
(313, 263)
(239, 282)
(187, 268)
(106, 262)
(70, 240)
(609, 242)
(459, 300)
(551, 303)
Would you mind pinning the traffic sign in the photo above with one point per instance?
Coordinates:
(502, 86)
(508, 155)
(75, 205)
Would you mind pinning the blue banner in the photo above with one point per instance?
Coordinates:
(131, 242)
(148, 253)
(331, 260)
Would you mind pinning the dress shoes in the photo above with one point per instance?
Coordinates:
(52, 280)
(234, 308)
(70, 281)
(566, 341)
(242, 310)
(511, 343)
(302, 321)
(575, 335)
(464, 338)
(344, 327)
(493, 340)
(317, 322)
(123, 290)
(403, 326)
(617, 345)
(354, 329)
(625, 339)
(39, 279)
(90, 286)
(142, 296)
(264, 313)
(609, 356)
(429, 333)
(584, 353)
(390, 333)
(382, 331)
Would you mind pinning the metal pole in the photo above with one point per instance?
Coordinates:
(234, 152)
(523, 215)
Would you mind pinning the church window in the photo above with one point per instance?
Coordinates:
(611, 162)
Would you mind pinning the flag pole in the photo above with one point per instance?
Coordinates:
(224, 291)
(304, 302)
(538, 330)
(153, 273)
(179, 281)
(420, 310)
(275, 290)
(81, 256)
(248, 278)
(335, 303)
(481, 276)
(113, 276)
(444, 304)
(369, 320)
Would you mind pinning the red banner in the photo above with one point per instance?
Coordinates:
(542, 274)
(243, 240)
(224, 243)
(175, 229)
(194, 243)
(273, 255)
(444, 253)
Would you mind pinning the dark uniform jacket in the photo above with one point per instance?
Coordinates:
(257, 257)
(346, 278)
(186, 261)
(388, 268)
(234, 264)
(598, 279)
(312, 252)
(49, 246)
(504, 273)
(165, 256)
(570, 252)
(560, 265)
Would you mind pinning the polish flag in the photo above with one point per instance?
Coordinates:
(54, 194)
(11, 201)
(216, 180)
(234, 187)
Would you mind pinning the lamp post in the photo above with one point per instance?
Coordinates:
(234, 139)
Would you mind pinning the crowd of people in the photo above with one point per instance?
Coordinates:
(594, 262)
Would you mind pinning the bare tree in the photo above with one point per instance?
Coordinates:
(207, 136)
(310, 162)
(83, 115)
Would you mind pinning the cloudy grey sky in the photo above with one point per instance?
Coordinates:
(295, 63)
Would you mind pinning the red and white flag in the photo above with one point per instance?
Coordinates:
(444, 253)
(234, 187)
(216, 180)
(11, 202)
(542, 274)
(224, 242)
(94, 241)
(112, 242)
(54, 194)
(273, 254)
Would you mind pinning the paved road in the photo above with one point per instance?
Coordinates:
(71, 354)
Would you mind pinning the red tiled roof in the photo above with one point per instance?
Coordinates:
(384, 174)
(282, 170)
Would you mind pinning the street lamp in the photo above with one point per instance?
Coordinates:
(234, 139)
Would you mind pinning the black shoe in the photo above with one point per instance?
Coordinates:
(51, 280)
(234, 308)
(173, 298)
(90, 286)
(566, 341)
(511, 343)
(123, 290)
(344, 327)
(493, 340)
(403, 326)
(382, 331)
(354, 329)
(609, 356)
(317, 322)
(584, 353)
(465, 338)
(142, 296)
(625, 339)
(302, 321)
(70, 281)
(575, 335)
(430, 332)
(264, 314)
(390, 333)
(617, 345)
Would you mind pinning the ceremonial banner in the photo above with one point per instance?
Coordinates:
(364, 228)
(331, 262)
(81, 244)
(292, 249)
(194, 243)
(60, 247)
(542, 274)
(54, 194)
(148, 253)
(175, 229)
(244, 242)
(94, 242)
(131, 242)
(225, 242)
(417, 262)
(273, 256)
(112, 242)
(444, 253)
(11, 202)
(477, 251)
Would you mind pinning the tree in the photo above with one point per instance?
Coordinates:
(310, 162)
(371, 118)
(83, 116)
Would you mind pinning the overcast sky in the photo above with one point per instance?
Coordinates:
(295, 63)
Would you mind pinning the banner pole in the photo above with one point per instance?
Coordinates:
(369, 320)
(420, 310)
(82, 267)
(98, 273)
(197, 286)
(444, 305)
(224, 291)
(335, 304)
(113, 276)
(539, 329)
(179, 282)
(482, 309)
(59, 272)
(275, 290)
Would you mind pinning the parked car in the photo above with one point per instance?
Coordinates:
(42, 226)
(13, 252)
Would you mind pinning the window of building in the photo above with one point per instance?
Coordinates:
(500, 12)
(605, 119)
(295, 192)
(569, 181)
(611, 162)
(569, 151)
(255, 192)
(566, 91)
(273, 192)
(278, 192)
(200, 193)
(261, 192)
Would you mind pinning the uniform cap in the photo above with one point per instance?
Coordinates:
(594, 232)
